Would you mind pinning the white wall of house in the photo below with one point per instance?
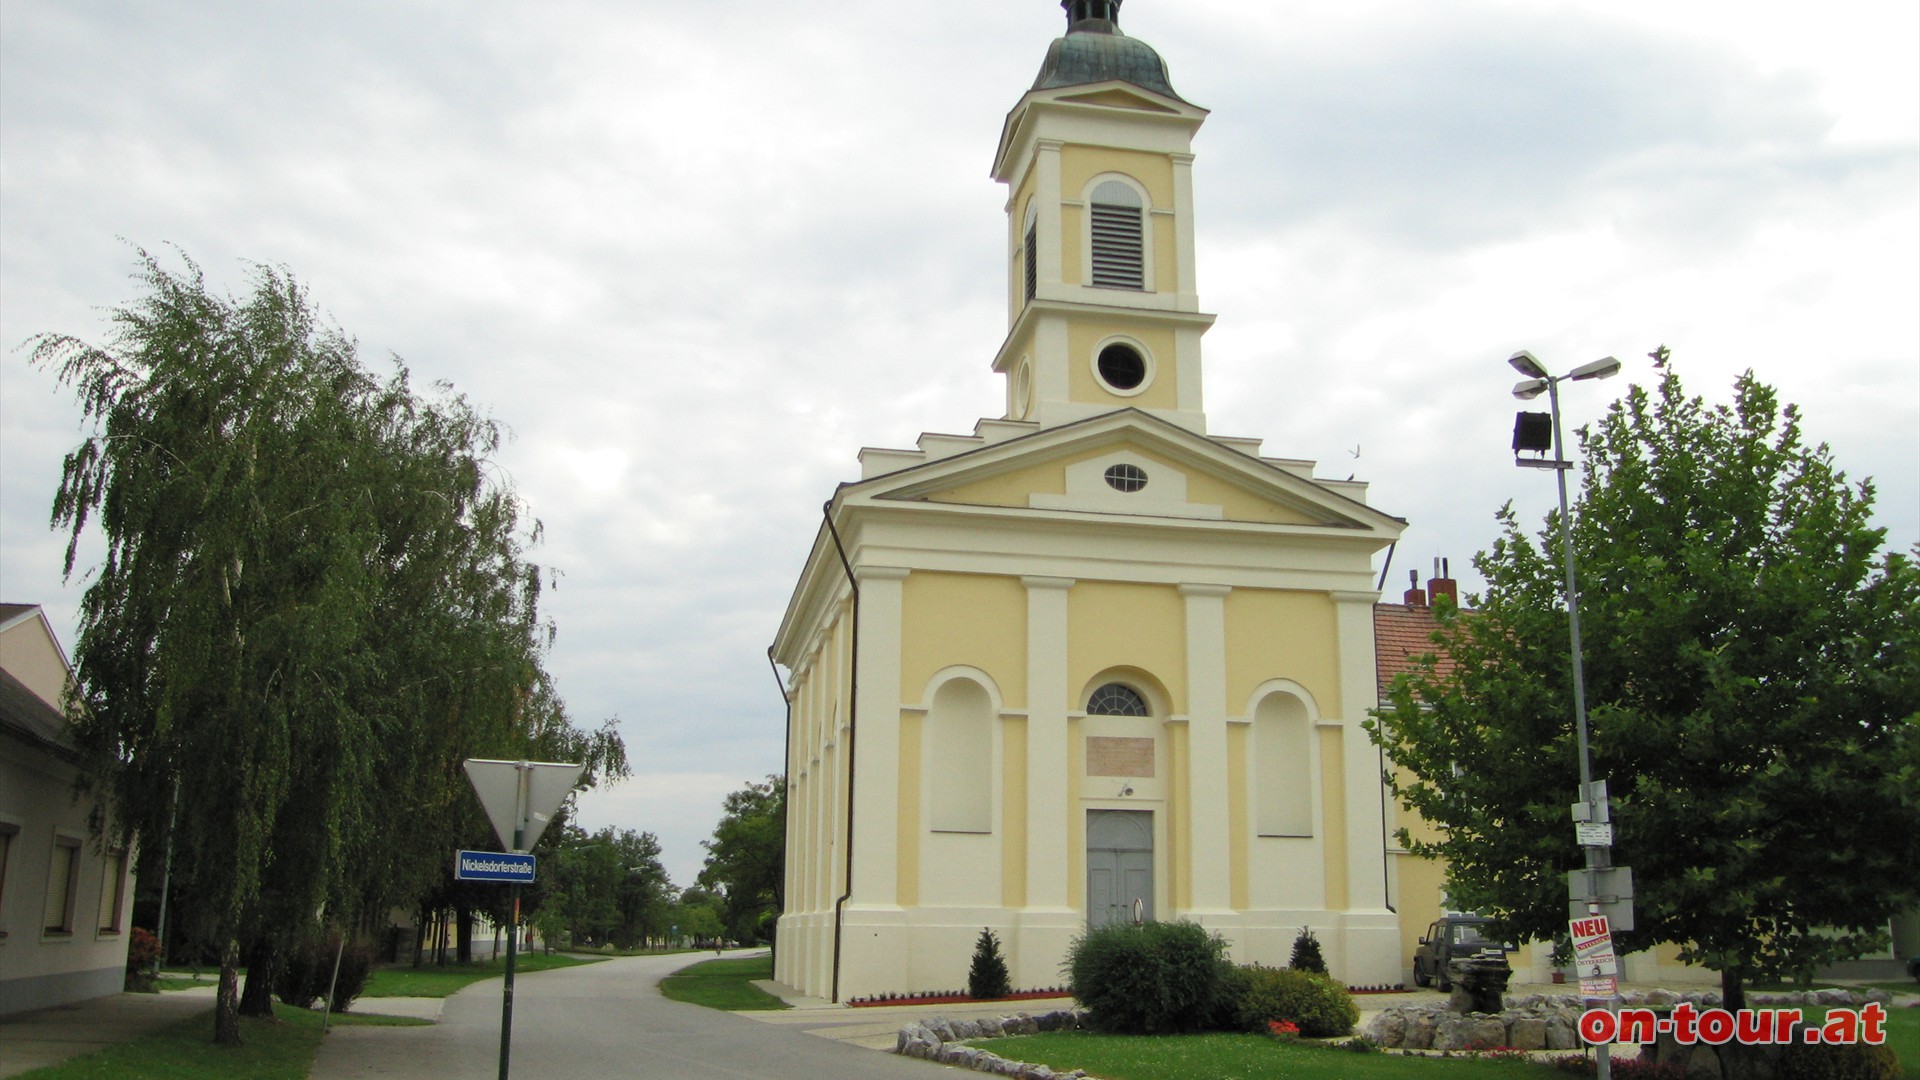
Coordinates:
(65, 903)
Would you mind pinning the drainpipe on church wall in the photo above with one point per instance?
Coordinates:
(853, 731)
(786, 801)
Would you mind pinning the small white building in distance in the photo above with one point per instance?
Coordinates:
(1089, 661)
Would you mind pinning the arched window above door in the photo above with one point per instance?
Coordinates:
(1117, 699)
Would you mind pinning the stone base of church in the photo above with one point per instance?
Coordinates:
(892, 950)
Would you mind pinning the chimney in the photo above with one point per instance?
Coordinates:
(1414, 597)
(1442, 583)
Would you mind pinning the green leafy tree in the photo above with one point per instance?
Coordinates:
(746, 859)
(313, 604)
(1753, 673)
(611, 886)
(698, 915)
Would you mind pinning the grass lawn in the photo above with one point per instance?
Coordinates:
(277, 1049)
(724, 984)
(429, 980)
(178, 982)
(1243, 1057)
(1903, 1036)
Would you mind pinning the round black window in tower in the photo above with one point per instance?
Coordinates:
(1126, 477)
(1122, 367)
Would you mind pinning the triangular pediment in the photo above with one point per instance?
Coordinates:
(1118, 98)
(1159, 470)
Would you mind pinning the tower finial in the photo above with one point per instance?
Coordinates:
(1092, 16)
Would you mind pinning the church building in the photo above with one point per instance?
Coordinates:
(1090, 662)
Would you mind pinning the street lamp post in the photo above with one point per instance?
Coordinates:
(1598, 855)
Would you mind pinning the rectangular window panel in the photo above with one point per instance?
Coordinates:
(112, 891)
(6, 861)
(58, 916)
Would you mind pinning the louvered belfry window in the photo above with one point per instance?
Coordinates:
(1032, 256)
(1118, 250)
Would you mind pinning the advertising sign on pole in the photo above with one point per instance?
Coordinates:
(1593, 957)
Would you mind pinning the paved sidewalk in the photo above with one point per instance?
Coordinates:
(35, 1040)
(48, 1037)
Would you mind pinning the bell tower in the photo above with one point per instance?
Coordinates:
(1102, 308)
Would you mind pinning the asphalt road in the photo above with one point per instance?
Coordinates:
(600, 1020)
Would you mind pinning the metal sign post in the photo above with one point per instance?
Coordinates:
(520, 798)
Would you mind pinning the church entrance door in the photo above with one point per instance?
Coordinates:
(1119, 866)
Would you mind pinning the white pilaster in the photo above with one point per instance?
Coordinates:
(1207, 747)
(1359, 692)
(1047, 749)
(875, 760)
(1185, 277)
(1046, 191)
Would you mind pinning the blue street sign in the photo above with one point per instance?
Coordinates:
(493, 866)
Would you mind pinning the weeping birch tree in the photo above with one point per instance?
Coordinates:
(313, 602)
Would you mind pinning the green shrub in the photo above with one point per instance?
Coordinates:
(1837, 1061)
(1306, 953)
(1318, 1003)
(143, 949)
(1152, 979)
(307, 970)
(987, 978)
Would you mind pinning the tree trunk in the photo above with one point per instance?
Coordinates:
(463, 935)
(263, 963)
(1733, 990)
(420, 936)
(226, 1002)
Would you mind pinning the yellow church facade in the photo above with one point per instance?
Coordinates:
(1089, 662)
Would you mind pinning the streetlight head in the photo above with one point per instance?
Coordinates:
(1528, 389)
(1604, 368)
(1527, 364)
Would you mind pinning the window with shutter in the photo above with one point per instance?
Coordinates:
(1118, 241)
(1032, 272)
(58, 917)
(7, 831)
(113, 882)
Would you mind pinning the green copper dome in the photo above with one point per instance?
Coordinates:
(1095, 51)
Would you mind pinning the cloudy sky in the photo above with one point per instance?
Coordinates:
(696, 255)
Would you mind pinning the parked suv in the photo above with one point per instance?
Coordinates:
(1455, 937)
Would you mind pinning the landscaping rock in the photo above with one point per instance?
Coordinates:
(1420, 1032)
(1561, 1034)
(1528, 1033)
(1388, 1028)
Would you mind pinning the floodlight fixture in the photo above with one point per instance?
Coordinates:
(1532, 431)
(1604, 368)
(1527, 364)
(1528, 389)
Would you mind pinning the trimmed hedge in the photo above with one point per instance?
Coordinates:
(1837, 1061)
(1315, 1001)
(1156, 978)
